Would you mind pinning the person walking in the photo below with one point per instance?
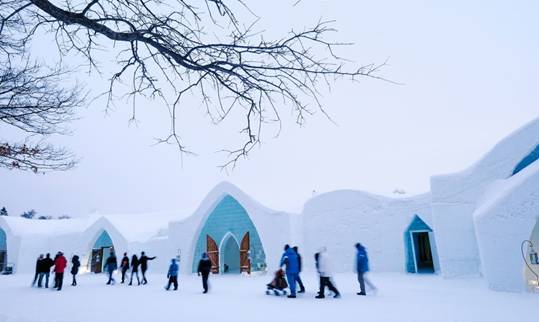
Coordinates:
(290, 260)
(45, 270)
(144, 266)
(124, 266)
(111, 265)
(75, 264)
(204, 269)
(323, 266)
(172, 275)
(300, 282)
(60, 264)
(134, 269)
(38, 268)
(362, 267)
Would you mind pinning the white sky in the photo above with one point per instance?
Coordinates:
(470, 73)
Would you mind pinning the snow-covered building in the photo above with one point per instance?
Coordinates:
(474, 222)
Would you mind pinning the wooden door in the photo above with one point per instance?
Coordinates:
(245, 261)
(97, 260)
(213, 253)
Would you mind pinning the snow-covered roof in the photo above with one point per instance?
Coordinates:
(22, 226)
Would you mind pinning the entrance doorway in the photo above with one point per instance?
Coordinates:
(3, 250)
(231, 257)
(531, 268)
(230, 253)
(422, 252)
(101, 251)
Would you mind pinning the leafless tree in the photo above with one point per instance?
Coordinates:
(32, 102)
(197, 47)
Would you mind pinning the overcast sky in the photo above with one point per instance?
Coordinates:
(469, 71)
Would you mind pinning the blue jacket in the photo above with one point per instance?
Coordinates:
(290, 259)
(173, 269)
(362, 260)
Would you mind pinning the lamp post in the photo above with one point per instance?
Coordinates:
(532, 257)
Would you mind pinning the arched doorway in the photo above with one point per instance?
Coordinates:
(229, 220)
(532, 268)
(101, 251)
(418, 247)
(230, 255)
(3, 250)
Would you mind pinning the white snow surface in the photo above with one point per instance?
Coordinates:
(401, 298)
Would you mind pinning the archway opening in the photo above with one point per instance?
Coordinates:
(101, 251)
(417, 239)
(230, 253)
(532, 268)
(3, 250)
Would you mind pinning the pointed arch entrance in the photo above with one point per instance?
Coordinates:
(3, 250)
(101, 250)
(220, 237)
(419, 247)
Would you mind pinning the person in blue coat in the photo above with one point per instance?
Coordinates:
(111, 265)
(290, 260)
(172, 275)
(362, 267)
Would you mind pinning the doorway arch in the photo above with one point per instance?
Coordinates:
(101, 250)
(419, 247)
(3, 250)
(230, 254)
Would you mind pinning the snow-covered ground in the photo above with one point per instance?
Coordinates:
(401, 298)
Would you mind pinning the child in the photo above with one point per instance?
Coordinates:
(172, 275)
(278, 285)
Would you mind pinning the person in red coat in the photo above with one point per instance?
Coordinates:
(60, 264)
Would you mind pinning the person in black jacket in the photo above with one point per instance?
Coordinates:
(298, 279)
(45, 270)
(134, 269)
(204, 269)
(75, 264)
(144, 266)
(124, 265)
(38, 268)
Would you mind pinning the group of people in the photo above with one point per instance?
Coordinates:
(45, 263)
(43, 270)
(291, 260)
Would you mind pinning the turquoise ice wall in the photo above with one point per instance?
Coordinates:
(3, 243)
(529, 159)
(103, 241)
(416, 225)
(230, 216)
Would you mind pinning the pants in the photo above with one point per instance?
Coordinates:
(59, 280)
(40, 280)
(326, 281)
(74, 283)
(35, 278)
(144, 280)
(362, 279)
(136, 274)
(205, 277)
(301, 287)
(172, 280)
(111, 279)
(291, 278)
(124, 270)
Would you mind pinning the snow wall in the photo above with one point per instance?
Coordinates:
(455, 198)
(507, 217)
(340, 219)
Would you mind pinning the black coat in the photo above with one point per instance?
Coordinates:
(75, 264)
(204, 266)
(144, 262)
(299, 262)
(125, 263)
(135, 264)
(46, 264)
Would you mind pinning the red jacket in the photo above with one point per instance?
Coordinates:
(60, 264)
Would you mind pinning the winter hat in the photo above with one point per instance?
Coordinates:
(204, 255)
